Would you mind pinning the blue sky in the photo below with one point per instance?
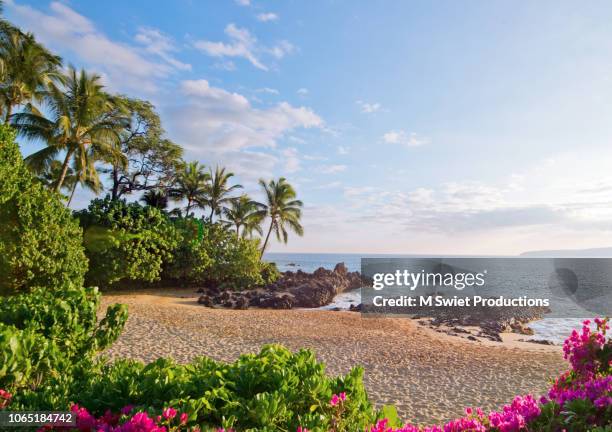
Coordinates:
(406, 126)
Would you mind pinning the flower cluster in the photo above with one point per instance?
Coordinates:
(512, 418)
(588, 380)
(337, 399)
(5, 398)
(581, 348)
(128, 422)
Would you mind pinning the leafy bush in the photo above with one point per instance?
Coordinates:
(45, 334)
(273, 390)
(269, 272)
(212, 255)
(126, 241)
(40, 242)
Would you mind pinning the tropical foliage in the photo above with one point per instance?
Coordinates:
(26, 69)
(283, 209)
(40, 242)
(126, 241)
(84, 123)
(244, 214)
(210, 255)
(153, 161)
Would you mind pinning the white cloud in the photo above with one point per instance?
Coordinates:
(267, 90)
(243, 44)
(403, 138)
(291, 161)
(332, 169)
(281, 49)
(343, 150)
(243, 2)
(268, 16)
(158, 43)
(302, 91)
(369, 108)
(216, 123)
(123, 65)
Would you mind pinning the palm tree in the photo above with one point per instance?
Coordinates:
(26, 69)
(244, 212)
(191, 184)
(83, 122)
(218, 191)
(49, 177)
(282, 208)
(85, 172)
(155, 198)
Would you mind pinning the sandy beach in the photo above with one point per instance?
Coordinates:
(428, 376)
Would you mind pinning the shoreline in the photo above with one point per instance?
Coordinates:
(428, 375)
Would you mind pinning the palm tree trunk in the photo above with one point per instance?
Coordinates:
(237, 230)
(115, 189)
(188, 207)
(9, 111)
(72, 193)
(60, 181)
(263, 249)
(212, 211)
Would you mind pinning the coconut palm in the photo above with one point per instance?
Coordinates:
(244, 213)
(155, 198)
(85, 171)
(283, 210)
(26, 69)
(191, 184)
(218, 191)
(83, 122)
(52, 172)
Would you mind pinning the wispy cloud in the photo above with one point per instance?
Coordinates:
(267, 90)
(403, 138)
(243, 2)
(157, 43)
(332, 169)
(302, 91)
(369, 108)
(267, 16)
(343, 150)
(242, 44)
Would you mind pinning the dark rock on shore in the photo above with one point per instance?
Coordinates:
(292, 289)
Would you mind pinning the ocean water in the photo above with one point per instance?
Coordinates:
(552, 329)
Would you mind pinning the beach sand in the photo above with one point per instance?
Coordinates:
(430, 377)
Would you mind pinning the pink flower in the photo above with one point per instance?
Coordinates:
(169, 413)
(5, 398)
(301, 429)
(337, 398)
(127, 409)
(184, 417)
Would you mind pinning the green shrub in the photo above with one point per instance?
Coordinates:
(40, 242)
(126, 242)
(269, 272)
(212, 255)
(270, 391)
(45, 334)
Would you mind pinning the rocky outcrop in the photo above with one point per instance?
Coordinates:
(312, 290)
(292, 289)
